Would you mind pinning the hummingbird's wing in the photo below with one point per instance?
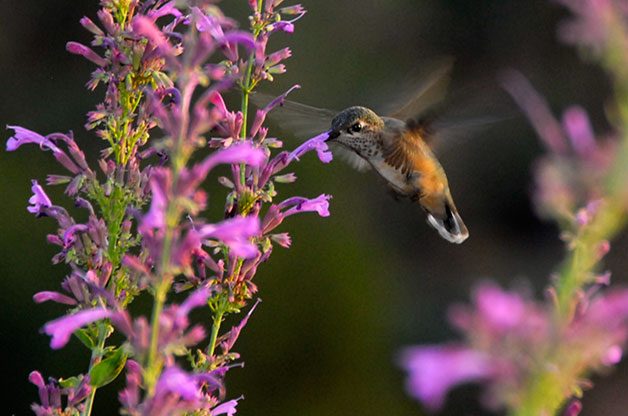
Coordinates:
(404, 147)
(423, 94)
(302, 120)
(305, 121)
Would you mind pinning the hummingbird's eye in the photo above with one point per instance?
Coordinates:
(356, 127)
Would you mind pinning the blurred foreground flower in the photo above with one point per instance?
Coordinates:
(535, 357)
(508, 339)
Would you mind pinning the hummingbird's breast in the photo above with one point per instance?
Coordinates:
(401, 182)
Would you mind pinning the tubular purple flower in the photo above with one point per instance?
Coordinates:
(196, 299)
(234, 333)
(69, 234)
(235, 233)
(537, 110)
(434, 370)
(38, 200)
(62, 328)
(576, 124)
(500, 309)
(159, 185)
(282, 26)
(226, 408)
(174, 380)
(297, 9)
(88, 24)
(297, 204)
(130, 396)
(241, 152)
(165, 10)
(45, 296)
(36, 378)
(22, 136)
(317, 143)
(276, 57)
(86, 52)
(144, 26)
(283, 239)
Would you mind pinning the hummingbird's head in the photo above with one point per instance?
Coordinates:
(355, 127)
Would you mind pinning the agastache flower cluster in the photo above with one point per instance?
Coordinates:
(535, 356)
(166, 65)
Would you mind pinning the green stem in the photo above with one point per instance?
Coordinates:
(153, 364)
(217, 321)
(95, 359)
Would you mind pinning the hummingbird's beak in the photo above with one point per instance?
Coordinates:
(332, 135)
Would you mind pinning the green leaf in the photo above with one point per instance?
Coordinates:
(86, 336)
(108, 369)
(70, 382)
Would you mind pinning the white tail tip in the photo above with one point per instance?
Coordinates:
(455, 234)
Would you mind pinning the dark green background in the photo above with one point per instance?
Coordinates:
(361, 284)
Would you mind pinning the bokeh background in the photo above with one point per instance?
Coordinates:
(372, 278)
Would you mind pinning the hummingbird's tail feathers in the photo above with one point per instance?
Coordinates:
(449, 226)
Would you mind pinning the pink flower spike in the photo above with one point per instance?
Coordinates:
(45, 296)
(62, 328)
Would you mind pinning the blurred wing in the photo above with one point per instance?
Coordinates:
(447, 134)
(425, 93)
(299, 119)
(406, 151)
(352, 158)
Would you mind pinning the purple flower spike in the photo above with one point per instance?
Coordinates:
(434, 370)
(39, 199)
(320, 204)
(317, 143)
(62, 328)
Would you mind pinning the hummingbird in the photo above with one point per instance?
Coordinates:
(398, 152)
(395, 146)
